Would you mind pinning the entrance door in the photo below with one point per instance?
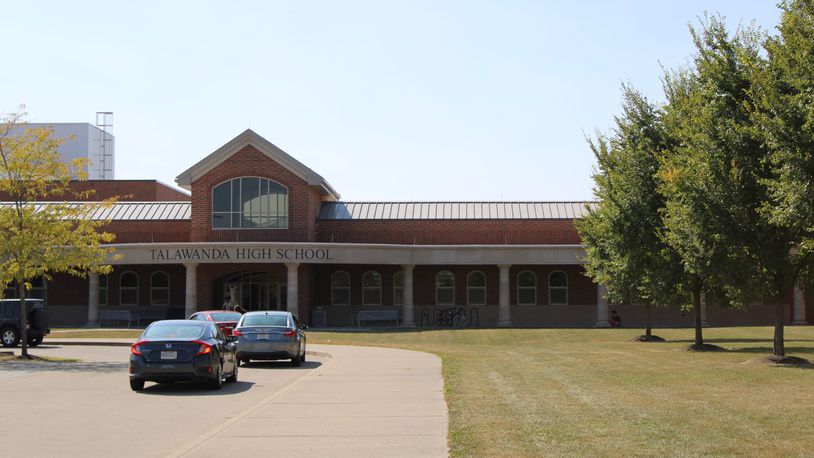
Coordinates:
(256, 291)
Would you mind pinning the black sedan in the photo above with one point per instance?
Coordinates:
(183, 350)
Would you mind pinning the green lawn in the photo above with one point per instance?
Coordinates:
(591, 392)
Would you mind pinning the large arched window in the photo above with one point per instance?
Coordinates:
(398, 288)
(159, 288)
(476, 288)
(558, 288)
(249, 202)
(372, 288)
(445, 288)
(340, 288)
(526, 288)
(128, 288)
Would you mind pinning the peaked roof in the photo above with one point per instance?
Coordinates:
(250, 137)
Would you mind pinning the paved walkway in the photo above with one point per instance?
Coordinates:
(361, 401)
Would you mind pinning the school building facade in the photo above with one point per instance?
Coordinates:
(262, 230)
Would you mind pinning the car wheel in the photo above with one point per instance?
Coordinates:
(33, 342)
(296, 360)
(136, 384)
(217, 382)
(9, 336)
(233, 378)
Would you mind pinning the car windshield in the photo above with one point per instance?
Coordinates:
(174, 331)
(225, 316)
(265, 320)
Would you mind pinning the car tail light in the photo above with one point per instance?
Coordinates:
(289, 333)
(135, 349)
(237, 333)
(204, 349)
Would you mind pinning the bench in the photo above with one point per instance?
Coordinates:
(115, 315)
(378, 315)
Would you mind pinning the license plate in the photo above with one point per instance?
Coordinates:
(169, 355)
(262, 337)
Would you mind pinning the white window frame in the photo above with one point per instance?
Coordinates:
(334, 287)
(563, 288)
(154, 288)
(439, 288)
(532, 288)
(122, 288)
(240, 211)
(104, 289)
(470, 288)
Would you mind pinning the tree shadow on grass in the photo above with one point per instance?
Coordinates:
(768, 350)
(738, 340)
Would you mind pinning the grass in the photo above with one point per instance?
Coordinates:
(592, 392)
(94, 333)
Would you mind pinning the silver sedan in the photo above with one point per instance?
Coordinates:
(269, 335)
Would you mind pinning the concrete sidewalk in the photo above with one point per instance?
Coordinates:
(361, 401)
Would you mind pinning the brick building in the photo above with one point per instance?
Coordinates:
(263, 230)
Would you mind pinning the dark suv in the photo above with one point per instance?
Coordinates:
(10, 322)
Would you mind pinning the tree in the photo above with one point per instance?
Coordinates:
(41, 240)
(623, 233)
(714, 180)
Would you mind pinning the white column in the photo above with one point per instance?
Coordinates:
(704, 321)
(503, 312)
(799, 308)
(93, 300)
(408, 318)
(292, 293)
(191, 296)
(602, 307)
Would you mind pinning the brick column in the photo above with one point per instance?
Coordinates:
(602, 307)
(191, 296)
(93, 300)
(503, 312)
(799, 308)
(292, 291)
(408, 318)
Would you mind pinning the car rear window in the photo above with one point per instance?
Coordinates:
(174, 331)
(265, 320)
(234, 316)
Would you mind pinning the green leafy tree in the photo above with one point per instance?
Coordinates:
(714, 180)
(623, 233)
(38, 241)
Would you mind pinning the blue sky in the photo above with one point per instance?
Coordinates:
(387, 100)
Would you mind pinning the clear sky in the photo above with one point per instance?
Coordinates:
(387, 100)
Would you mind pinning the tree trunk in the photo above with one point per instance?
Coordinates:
(699, 337)
(648, 331)
(23, 319)
(780, 311)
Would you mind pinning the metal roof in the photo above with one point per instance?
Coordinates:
(130, 211)
(452, 210)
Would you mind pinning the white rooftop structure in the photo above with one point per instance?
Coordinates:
(84, 140)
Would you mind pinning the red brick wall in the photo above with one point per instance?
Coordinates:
(251, 162)
(176, 272)
(126, 190)
(149, 231)
(453, 232)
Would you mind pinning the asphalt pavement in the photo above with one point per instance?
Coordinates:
(343, 402)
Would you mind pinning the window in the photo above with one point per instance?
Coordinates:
(445, 288)
(398, 288)
(526, 288)
(371, 288)
(128, 288)
(340, 288)
(37, 290)
(249, 202)
(476, 288)
(159, 288)
(102, 289)
(558, 288)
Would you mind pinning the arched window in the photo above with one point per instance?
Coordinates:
(103, 289)
(558, 288)
(371, 288)
(128, 288)
(476, 288)
(159, 288)
(249, 202)
(526, 288)
(398, 288)
(445, 288)
(340, 288)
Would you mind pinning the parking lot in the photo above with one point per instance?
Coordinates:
(344, 401)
